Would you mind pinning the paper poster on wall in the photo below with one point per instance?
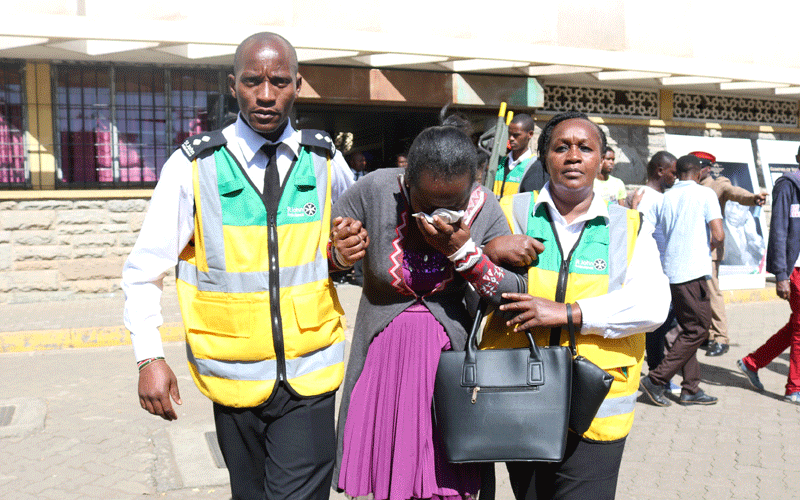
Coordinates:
(745, 235)
(777, 158)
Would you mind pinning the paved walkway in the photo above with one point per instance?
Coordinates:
(78, 432)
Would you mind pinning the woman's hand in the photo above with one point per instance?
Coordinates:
(536, 311)
(350, 240)
(445, 238)
(516, 250)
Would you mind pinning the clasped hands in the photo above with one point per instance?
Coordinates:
(349, 239)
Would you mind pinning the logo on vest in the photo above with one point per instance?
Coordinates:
(596, 265)
(307, 210)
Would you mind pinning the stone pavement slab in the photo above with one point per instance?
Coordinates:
(97, 443)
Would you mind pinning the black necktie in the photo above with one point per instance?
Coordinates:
(272, 181)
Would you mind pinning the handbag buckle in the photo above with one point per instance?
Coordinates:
(535, 373)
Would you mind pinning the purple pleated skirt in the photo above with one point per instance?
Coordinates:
(390, 450)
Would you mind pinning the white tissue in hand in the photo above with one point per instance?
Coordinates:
(448, 216)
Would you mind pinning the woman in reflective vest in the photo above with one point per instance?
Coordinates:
(600, 261)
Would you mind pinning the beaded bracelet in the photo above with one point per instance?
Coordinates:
(335, 258)
(141, 364)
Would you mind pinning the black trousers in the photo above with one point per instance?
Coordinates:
(692, 304)
(655, 341)
(283, 449)
(590, 470)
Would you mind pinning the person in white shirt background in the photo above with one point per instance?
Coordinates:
(660, 177)
(689, 212)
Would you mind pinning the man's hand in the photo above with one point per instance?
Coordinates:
(350, 240)
(516, 250)
(633, 199)
(536, 311)
(759, 199)
(157, 383)
(782, 289)
(444, 237)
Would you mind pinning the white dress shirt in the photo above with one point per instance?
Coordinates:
(641, 305)
(650, 207)
(169, 225)
(512, 163)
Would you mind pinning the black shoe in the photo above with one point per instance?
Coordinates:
(701, 398)
(717, 349)
(705, 345)
(654, 392)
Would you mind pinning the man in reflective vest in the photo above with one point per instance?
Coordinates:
(514, 166)
(244, 215)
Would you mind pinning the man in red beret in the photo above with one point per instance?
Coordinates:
(718, 333)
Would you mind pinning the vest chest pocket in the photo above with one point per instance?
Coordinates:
(221, 317)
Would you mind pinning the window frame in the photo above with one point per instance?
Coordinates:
(114, 107)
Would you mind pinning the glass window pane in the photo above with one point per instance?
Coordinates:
(195, 99)
(12, 150)
(139, 123)
(84, 124)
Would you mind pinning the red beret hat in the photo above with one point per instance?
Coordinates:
(702, 155)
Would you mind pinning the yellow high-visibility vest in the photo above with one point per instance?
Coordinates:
(595, 267)
(257, 303)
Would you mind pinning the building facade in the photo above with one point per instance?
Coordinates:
(95, 95)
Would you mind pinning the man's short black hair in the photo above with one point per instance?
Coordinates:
(547, 133)
(525, 121)
(688, 163)
(445, 152)
(661, 159)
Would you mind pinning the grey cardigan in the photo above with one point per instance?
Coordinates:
(379, 202)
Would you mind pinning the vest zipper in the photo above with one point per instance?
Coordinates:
(563, 272)
(274, 270)
(275, 295)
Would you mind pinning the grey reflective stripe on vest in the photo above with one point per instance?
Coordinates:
(617, 246)
(521, 204)
(305, 273)
(211, 213)
(612, 407)
(221, 281)
(267, 370)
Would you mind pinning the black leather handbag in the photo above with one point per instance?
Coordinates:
(503, 405)
(590, 385)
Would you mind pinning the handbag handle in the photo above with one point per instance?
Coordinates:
(469, 373)
(555, 333)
